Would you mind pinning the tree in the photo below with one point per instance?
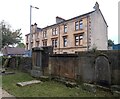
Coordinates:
(21, 45)
(9, 37)
(110, 42)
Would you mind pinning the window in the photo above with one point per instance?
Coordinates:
(54, 31)
(76, 25)
(78, 39)
(44, 42)
(37, 43)
(79, 25)
(27, 46)
(37, 35)
(54, 42)
(27, 38)
(32, 36)
(44, 34)
(64, 41)
(32, 44)
(64, 52)
(65, 28)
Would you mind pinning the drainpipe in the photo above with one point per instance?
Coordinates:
(59, 39)
(87, 33)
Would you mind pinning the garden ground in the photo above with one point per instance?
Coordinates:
(45, 89)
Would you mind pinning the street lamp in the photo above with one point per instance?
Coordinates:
(30, 25)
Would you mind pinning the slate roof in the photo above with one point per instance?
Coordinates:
(70, 19)
(13, 51)
(73, 19)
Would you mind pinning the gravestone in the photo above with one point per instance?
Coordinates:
(37, 62)
(40, 59)
(102, 71)
(28, 83)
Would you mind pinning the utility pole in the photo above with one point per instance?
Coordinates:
(30, 47)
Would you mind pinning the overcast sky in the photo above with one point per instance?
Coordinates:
(17, 13)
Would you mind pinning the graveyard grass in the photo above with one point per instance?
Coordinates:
(45, 89)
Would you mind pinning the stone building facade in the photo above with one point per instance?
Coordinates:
(81, 33)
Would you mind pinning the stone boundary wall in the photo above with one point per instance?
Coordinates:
(21, 63)
(75, 67)
(81, 66)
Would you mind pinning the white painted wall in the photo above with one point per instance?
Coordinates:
(99, 35)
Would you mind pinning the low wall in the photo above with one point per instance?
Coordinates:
(20, 63)
(84, 66)
(63, 65)
(25, 64)
(90, 67)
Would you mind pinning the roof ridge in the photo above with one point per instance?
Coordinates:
(69, 19)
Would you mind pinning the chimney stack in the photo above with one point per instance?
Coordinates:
(96, 7)
(59, 19)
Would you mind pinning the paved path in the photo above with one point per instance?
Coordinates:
(4, 93)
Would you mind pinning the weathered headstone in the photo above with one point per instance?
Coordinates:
(37, 70)
(40, 59)
(28, 83)
(102, 71)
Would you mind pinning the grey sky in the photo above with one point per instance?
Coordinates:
(17, 12)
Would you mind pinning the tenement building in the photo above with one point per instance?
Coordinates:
(81, 33)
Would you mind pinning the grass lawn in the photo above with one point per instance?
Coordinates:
(45, 89)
